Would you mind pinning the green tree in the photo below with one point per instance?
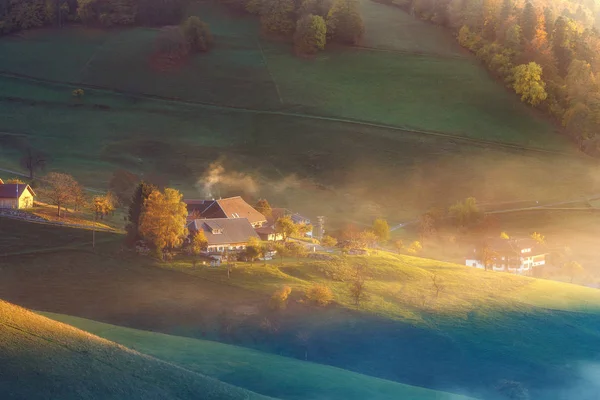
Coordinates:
(162, 221)
(310, 35)
(344, 22)
(514, 37)
(580, 81)
(254, 249)
(263, 207)
(199, 243)
(140, 195)
(465, 212)
(277, 17)
(286, 227)
(381, 229)
(197, 34)
(529, 21)
(529, 84)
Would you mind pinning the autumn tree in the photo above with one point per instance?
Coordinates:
(538, 237)
(104, 205)
(381, 229)
(263, 207)
(414, 248)
(61, 190)
(344, 22)
(328, 241)
(15, 181)
(358, 284)
(140, 195)
(286, 227)
(310, 35)
(427, 227)
(529, 84)
(277, 17)
(279, 298)
(487, 256)
(254, 249)
(319, 294)
(198, 244)
(304, 229)
(162, 221)
(197, 34)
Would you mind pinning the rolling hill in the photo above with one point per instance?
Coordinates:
(44, 359)
(281, 377)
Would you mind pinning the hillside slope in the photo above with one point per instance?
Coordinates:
(44, 359)
(264, 373)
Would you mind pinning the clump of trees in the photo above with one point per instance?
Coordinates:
(62, 190)
(546, 51)
(320, 295)
(310, 35)
(344, 22)
(27, 14)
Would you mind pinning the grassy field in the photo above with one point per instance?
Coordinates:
(41, 358)
(319, 166)
(271, 375)
(43, 237)
(481, 329)
(442, 90)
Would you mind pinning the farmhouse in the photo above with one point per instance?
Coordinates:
(230, 208)
(268, 233)
(231, 234)
(518, 256)
(16, 195)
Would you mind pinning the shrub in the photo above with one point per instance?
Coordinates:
(197, 34)
(279, 298)
(310, 34)
(319, 294)
(79, 93)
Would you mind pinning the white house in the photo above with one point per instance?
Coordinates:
(518, 256)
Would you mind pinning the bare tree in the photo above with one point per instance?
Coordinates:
(438, 286)
(34, 160)
(358, 284)
(487, 256)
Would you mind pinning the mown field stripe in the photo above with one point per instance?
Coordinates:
(398, 128)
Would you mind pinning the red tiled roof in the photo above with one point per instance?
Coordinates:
(14, 190)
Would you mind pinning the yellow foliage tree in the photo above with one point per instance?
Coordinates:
(162, 222)
(279, 299)
(529, 83)
(319, 294)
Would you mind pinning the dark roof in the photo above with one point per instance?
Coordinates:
(232, 207)
(266, 230)
(14, 190)
(277, 213)
(512, 247)
(235, 230)
(198, 206)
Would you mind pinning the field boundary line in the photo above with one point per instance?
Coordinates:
(92, 57)
(264, 58)
(398, 128)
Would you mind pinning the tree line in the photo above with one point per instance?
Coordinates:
(18, 15)
(548, 52)
(309, 23)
